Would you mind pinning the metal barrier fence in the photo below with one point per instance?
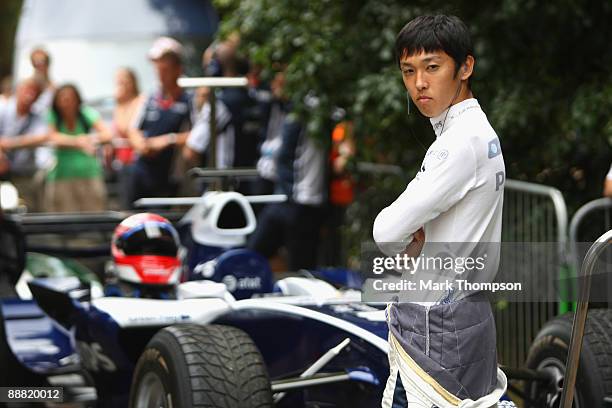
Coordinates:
(532, 213)
(590, 221)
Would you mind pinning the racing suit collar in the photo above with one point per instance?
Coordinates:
(440, 124)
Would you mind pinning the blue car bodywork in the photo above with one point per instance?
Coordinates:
(81, 334)
(67, 328)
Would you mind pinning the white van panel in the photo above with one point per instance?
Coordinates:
(88, 39)
(91, 64)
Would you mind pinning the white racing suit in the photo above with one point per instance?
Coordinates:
(460, 367)
(444, 347)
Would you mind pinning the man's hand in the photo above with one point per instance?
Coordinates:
(142, 148)
(158, 143)
(416, 246)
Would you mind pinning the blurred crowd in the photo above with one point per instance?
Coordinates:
(60, 153)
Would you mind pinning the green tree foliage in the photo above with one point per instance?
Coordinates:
(543, 75)
(9, 14)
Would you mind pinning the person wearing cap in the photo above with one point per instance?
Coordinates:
(162, 124)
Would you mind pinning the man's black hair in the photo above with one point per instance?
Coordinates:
(435, 33)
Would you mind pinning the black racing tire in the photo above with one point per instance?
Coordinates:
(549, 353)
(191, 366)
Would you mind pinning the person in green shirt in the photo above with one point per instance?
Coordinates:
(76, 182)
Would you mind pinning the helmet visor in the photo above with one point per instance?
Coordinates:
(151, 238)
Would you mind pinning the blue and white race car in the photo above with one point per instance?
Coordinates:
(229, 337)
(204, 348)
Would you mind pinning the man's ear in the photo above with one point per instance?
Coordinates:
(467, 68)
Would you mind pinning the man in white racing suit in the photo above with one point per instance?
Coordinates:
(443, 348)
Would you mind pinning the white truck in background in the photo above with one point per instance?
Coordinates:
(89, 40)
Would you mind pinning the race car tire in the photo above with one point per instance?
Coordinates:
(193, 366)
(12, 373)
(549, 353)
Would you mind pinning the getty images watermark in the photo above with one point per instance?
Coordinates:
(445, 272)
(433, 266)
(508, 272)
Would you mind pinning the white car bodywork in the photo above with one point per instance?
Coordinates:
(207, 301)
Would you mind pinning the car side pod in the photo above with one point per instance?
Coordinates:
(32, 346)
